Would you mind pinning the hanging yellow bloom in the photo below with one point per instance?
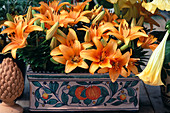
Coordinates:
(152, 73)
(160, 4)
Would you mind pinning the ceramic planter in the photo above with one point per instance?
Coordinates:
(82, 92)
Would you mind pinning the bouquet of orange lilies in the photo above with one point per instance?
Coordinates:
(75, 36)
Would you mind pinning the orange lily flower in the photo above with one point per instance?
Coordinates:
(110, 17)
(97, 31)
(27, 24)
(49, 13)
(17, 41)
(131, 66)
(126, 34)
(51, 17)
(71, 57)
(147, 42)
(54, 5)
(68, 41)
(100, 56)
(117, 62)
(75, 16)
(80, 6)
(18, 32)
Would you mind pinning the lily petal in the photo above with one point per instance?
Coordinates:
(110, 48)
(8, 30)
(82, 19)
(71, 37)
(106, 63)
(83, 64)
(86, 45)
(93, 67)
(56, 51)
(77, 47)
(59, 59)
(10, 46)
(123, 60)
(113, 74)
(70, 66)
(97, 43)
(13, 52)
(61, 39)
(103, 70)
(91, 55)
(10, 24)
(124, 73)
(133, 68)
(136, 35)
(33, 28)
(67, 52)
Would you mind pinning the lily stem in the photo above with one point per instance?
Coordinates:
(124, 47)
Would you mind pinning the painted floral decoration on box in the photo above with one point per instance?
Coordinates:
(84, 95)
(81, 38)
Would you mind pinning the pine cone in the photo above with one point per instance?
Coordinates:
(11, 80)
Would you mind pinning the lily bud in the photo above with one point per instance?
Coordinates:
(50, 33)
(9, 17)
(98, 17)
(54, 43)
(29, 13)
(43, 25)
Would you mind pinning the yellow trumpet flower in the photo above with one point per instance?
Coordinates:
(160, 4)
(151, 75)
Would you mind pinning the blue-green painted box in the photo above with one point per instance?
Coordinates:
(82, 92)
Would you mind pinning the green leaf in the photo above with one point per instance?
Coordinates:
(87, 101)
(72, 90)
(36, 104)
(52, 101)
(134, 83)
(36, 83)
(58, 105)
(132, 99)
(130, 91)
(82, 83)
(37, 94)
(53, 86)
(117, 103)
(64, 98)
(83, 93)
(100, 100)
(97, 82)
(113, 87)
(104, 91)
(64, 83)
(127, 84)
(53, 61)
(75, 100)
(48, 91)
(135, 101)
(111, 100)
(124, 100)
